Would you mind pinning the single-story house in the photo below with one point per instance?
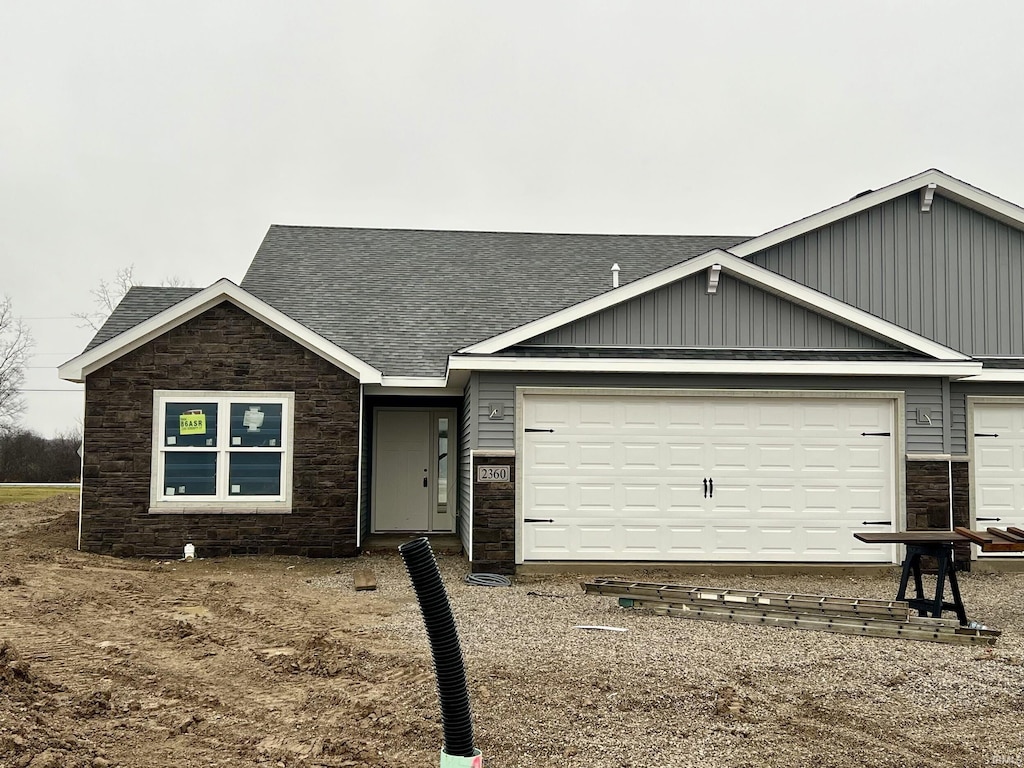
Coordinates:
(553, 397)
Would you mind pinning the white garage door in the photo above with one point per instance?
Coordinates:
(683, 477)
(998, 438)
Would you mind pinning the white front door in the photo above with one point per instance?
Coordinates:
(690, 477)
(997, 485)
(413, 475)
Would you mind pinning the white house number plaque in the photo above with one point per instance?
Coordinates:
(494, 473)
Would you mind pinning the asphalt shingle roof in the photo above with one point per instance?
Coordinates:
(139, 304)
(403, 300)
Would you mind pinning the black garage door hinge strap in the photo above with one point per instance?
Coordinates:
(537, 520)
(985, 434)
(535, 429)
(876, 434)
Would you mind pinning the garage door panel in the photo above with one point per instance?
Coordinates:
(641, 539)
(640, 456)
(625, 478)
(596, 456)
(998, 482)
(684, 457)
(595, 497)
(596, 539)
(550, 455)
(643, 416)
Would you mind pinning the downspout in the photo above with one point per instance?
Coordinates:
(359, 472)
(81, 473)
(950, 463)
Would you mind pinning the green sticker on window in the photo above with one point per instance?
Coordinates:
(192, 423)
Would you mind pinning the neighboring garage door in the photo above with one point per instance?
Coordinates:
(684, 477)
(998, 456)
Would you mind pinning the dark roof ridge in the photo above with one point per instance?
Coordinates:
(427, 230)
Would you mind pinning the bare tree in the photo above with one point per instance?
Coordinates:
(15, 346)
(106, 296)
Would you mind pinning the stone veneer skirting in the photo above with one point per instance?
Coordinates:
(928, 500)
(494, 517)
(223, 349)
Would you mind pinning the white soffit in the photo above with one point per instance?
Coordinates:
(770, 281)
(79, 367)
(954, 189)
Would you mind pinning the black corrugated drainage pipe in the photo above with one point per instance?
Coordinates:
(456, 718)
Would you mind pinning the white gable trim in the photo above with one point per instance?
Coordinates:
(766, 279)
(953, 369)
(947, 186)
(79, 367)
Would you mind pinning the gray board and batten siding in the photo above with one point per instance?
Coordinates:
(953, 275)
(923, 395)
(684, 314)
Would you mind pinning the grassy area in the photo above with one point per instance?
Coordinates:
(13, 494)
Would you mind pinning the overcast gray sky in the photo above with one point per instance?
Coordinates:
(171, 135)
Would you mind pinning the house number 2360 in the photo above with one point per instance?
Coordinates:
(499, 473)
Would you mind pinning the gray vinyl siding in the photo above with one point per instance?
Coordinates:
(958, 408)
(467, 442)
(923, 394)
(953, 275)
(684, 314)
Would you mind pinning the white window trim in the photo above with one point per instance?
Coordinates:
(161, 504)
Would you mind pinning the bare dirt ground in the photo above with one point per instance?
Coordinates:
(279, 662)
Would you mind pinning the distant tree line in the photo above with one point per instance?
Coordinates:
(26, 457)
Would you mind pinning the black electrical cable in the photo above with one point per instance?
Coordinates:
(456, 717)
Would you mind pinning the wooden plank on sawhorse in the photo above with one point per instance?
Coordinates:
(989, 542)
(684, 594)
(926, 630)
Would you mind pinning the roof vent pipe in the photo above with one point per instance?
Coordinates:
(615, 275)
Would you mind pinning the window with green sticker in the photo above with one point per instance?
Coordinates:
(222, 450)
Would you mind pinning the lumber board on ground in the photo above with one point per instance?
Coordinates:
(686, 594)
(990, 543)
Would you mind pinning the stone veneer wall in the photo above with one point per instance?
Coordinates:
(494, 517)
(928, 500)
(223, 349)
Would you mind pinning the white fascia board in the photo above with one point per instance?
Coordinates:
(79, 367)
(427, 386)
(953, 370)
(996, 376)
(731, 264)
(948, 186)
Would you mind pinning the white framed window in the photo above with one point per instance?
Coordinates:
(222, 451)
